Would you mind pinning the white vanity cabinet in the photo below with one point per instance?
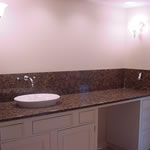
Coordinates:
(61, 131)
(144, 136)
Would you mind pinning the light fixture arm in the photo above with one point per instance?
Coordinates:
(134, 33)
(142, 25)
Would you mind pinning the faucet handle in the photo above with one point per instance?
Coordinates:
(34, 77)
(26, 77)
(18, 78)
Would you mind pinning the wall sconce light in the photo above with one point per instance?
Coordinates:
(141, 26)
(138, 25)
(3, 6)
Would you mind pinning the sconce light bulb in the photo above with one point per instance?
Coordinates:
(3, 6)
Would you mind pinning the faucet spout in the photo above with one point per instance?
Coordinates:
(26, 78)
(32, 84)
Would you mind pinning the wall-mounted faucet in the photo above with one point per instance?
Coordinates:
(26, 78)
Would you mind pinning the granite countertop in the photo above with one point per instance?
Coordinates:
(10, 111)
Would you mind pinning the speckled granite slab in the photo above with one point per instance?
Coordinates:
(10, 111)
(131, 79)
(62, 83)
(71, 82)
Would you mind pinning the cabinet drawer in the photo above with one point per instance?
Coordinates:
(87, 116)
(52, 123)
(11, 132)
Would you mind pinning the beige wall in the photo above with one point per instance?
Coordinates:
(60, 35)
(138, 49)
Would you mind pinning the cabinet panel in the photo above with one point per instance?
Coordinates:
(146, 104)
(31, 143)
(79, 138)
(146, 140)
(11, 132)
(145, 125)
(87, 116)
(146, 115)
(52, 123)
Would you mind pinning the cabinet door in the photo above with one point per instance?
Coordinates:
(78, 138)
(32, 143)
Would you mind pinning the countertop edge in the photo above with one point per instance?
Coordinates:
(75, 108)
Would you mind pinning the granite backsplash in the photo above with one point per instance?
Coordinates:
(131, 79)
(62, 83)
(71, 82)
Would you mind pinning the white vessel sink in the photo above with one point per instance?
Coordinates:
(37, 100)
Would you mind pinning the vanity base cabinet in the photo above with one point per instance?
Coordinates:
(78, 138)
(72, 130)
(31, 143)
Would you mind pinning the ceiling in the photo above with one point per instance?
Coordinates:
(125, 3)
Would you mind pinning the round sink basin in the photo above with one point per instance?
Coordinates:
(37, 100)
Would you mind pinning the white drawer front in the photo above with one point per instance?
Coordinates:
(48, 124)
(12, 132)
(87, 116)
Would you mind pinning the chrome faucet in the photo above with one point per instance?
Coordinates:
(26, 78)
